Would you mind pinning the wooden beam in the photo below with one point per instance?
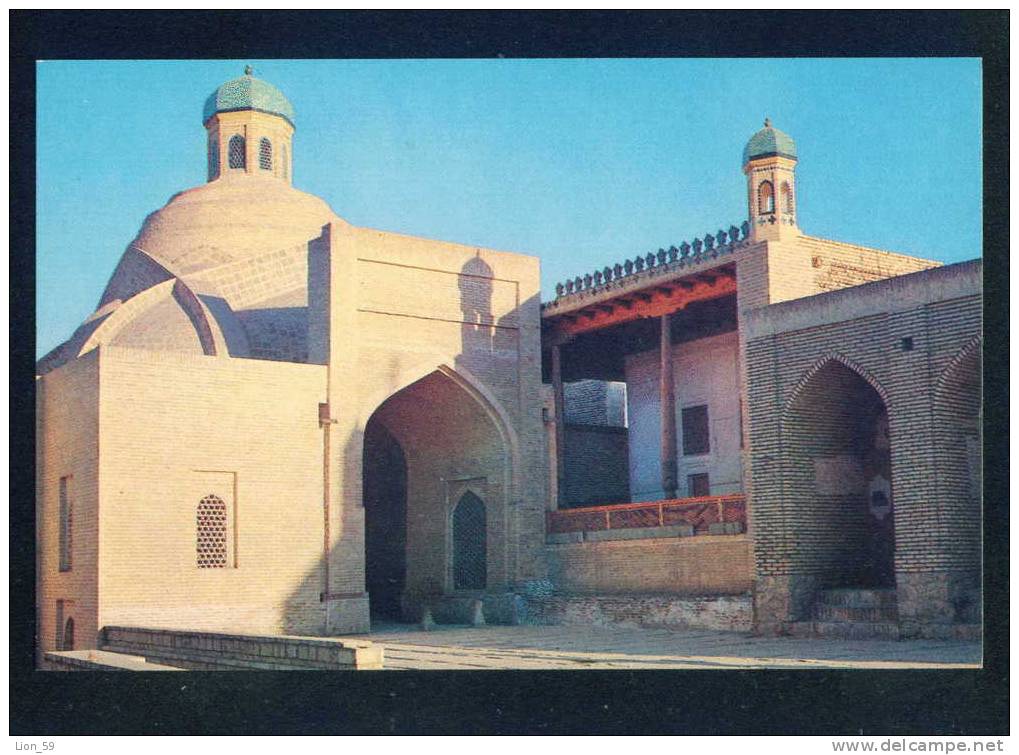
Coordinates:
(647, 303)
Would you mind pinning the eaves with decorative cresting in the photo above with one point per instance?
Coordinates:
(637, 273)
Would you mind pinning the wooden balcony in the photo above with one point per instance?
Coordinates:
(699, 513)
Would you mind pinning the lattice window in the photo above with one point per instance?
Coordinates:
(235, 152)
(213, 157)
(283, 161)
(211, 533)
(470, 542)
(765, 198)
(265, 154)
(66, 523)
(68, 643)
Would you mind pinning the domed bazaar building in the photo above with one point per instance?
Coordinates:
(278, 423)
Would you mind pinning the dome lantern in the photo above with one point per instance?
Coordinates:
(250, 125)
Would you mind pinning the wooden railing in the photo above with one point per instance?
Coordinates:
(700, 513)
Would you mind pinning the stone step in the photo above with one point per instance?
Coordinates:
(213, 650)
(857, 598)
(826, 612)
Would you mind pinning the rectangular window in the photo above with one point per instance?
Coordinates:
(66, 523)
(695, 430)
(697, 485)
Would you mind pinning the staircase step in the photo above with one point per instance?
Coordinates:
(857, 598)
(827, 612)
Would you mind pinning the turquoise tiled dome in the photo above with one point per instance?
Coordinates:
(248, 93)
(767, 142)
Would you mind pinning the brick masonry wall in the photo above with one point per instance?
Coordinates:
(67, 416)
(467, 319)
(597, 469)
(175, 428)
(838, 265)
(705, 565)
(863, 329)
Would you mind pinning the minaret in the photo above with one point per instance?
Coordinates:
(769, 162)
(251, 126)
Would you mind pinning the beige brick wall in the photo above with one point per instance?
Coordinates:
(67, 445)
(705, 565)
(467, 320)
(839, 265)
(175, 428)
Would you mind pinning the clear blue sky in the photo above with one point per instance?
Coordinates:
(580, 162)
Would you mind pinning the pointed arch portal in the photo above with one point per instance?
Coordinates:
(437, 472)
(840, 504)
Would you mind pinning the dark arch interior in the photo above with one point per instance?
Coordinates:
(840, 450)
(385, 524)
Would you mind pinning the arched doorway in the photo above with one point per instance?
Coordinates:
(838, 480)
(958, 414)
(470, 544)
(437, 458)
(385, 525)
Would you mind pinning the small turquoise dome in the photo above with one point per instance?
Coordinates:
(767, 142)
(248, 93)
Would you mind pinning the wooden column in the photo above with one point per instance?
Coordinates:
(668, 407)
(560, 430)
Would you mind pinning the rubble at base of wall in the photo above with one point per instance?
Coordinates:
(732, 613)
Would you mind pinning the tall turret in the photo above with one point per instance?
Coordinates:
(769, 162)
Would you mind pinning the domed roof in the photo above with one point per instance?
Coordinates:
(235, 219)
(767, 142)
(248, 93)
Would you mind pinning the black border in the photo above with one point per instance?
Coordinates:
(964, 702)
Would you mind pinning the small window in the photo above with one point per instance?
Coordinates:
(236, 154)
(698, 485)
(787, 198)
(283, 161)
(211, 533)
(66, 524)
(695, 430)
(765, 198)
(265, 154)
(213, 157)
(68, 635)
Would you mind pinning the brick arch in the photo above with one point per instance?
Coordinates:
(955, 413)
(474, 388)
(807, 378)
(973, 345)
(829, 459)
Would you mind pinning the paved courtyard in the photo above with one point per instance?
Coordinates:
(587, 647)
